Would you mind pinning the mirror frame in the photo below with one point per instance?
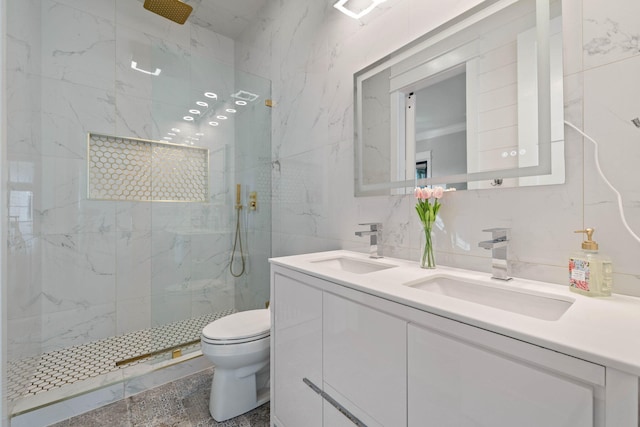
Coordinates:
(459, 23)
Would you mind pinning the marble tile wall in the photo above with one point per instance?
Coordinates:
(311, 51)
(85, 269)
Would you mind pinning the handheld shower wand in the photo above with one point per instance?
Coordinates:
(237, 242)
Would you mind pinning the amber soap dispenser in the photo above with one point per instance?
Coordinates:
(590, 273)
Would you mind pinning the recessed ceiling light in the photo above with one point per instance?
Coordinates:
(171, 134)
(188, 118)
(245, 96)
(194, 111)
(241, 102)
(211, 95)
(340, 6)
(221, 117)
(202, 104)
(175, 129)
(214, 123)
(199, 134)
(168, 138)
(230, 110)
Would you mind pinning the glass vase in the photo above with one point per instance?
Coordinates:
(427, 259)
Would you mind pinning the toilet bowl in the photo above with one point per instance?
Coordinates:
(238, 346)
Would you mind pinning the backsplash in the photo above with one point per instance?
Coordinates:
(311, 52)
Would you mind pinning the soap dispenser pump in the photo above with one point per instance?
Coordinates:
(590, 273)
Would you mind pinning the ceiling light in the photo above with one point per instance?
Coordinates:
(202, 104)
(199, 134)
(171, 134)
(188, 118)
(230, 110)
(194, 111)
(134, 65)
(245, 96)
(211, 95)
(221, 117)
(168, 138)
(175, 129)
(241, 102)
(340, 6)
(214, 123)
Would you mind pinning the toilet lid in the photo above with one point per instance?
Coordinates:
(239, 326)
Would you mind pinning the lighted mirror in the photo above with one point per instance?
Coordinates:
(476, 103)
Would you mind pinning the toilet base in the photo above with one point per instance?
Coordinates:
(234, 393)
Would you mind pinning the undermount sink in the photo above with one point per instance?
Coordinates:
(353, 265)
(529, 303)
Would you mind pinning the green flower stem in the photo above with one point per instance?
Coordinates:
(428, 260)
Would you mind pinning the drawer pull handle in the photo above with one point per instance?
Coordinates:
(334, 403)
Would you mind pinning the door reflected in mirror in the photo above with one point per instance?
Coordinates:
(440, 127)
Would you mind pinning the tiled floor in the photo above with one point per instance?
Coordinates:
(182, 403)
(67, 366)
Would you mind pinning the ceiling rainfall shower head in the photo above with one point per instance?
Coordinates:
(174, 10)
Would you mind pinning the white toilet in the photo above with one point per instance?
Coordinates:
(238, 345)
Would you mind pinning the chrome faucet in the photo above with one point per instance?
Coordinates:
(499, 243)
(374, 233)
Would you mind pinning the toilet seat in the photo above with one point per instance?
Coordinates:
(238, 328)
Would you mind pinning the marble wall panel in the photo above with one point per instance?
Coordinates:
(78, 325)
(133, 265)
(135, 45)
(69, 112)
(64, 208)
(610, 31)
(78, 271)
(610, 105)
(79, 47)
(133, 314)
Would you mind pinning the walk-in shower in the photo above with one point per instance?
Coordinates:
(127, 135)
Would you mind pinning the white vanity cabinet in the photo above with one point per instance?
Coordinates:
(458, 382)
(296, 352)
(333, 356)
(365, 360)
(343, 357)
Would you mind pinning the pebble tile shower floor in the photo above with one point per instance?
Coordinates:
(182, 403)
(70, 365)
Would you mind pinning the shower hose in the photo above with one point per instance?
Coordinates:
(237, 244)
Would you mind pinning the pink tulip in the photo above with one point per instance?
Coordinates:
(426, 193)
(417, 192)
(438, 192)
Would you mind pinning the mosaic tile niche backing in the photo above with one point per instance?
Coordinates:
(141, 170)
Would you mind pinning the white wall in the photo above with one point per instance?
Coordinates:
(310, 51)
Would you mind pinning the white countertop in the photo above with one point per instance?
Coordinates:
(601, 330)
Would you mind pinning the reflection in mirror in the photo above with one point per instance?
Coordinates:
(477, 103)
(440, 128)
